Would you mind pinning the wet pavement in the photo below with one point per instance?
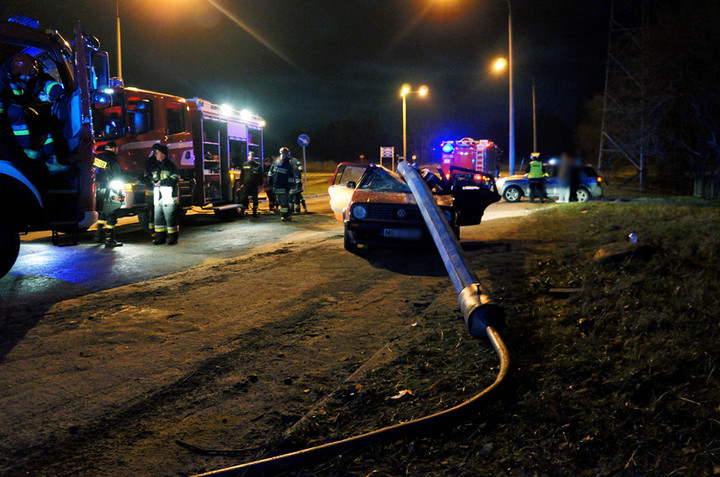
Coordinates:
(45, 273)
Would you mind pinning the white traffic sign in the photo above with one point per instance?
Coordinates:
(387, 152)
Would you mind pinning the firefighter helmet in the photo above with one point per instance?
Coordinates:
(284, 151)
(23, 64)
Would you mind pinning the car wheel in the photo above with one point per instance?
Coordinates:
(9, 245)
(512, 194)
(582, 194)
(348, 242)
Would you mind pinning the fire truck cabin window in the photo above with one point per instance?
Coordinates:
(108, 123)
(141, 115)
(175, 118)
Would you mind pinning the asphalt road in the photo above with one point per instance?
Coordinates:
(46, 274)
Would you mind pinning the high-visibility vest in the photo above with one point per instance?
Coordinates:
(536, 170)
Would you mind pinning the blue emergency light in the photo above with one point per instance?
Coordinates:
(448, 148)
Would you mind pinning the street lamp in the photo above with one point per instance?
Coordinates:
(499, 65)
(511, 139)
(404, 91)
(119, 47)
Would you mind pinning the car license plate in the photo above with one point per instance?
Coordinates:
(403, 234)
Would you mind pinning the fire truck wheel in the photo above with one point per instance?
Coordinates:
(236, 191)
(9, 245)
(512, 194)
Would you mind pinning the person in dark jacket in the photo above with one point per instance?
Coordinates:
(109, 184)
(251, 178)
(272, 200)
(296, 198)
(282, 179)
(163, 174)
(25, 91)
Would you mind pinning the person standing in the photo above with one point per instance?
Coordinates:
(537, 176)
(109, 183)
(251, 178)
(282, 179)
(565, 179)
(27, 91)
(164, 176)
(272, 200)
(296, 198)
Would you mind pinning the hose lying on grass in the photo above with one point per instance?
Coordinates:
(433, 422)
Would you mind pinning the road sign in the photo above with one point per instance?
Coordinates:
(303, 141)
(387, 152)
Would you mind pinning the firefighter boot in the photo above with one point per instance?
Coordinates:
(173, 238)
(110, 241)
(255, 214)
(302, 201)
(159, 238)
(100, 233)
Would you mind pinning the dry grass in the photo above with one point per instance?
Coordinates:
(619, 379)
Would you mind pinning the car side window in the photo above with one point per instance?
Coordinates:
(338, 175)
(352, 174)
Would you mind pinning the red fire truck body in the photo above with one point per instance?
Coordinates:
(468, 153)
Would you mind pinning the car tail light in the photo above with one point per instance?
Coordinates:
(478, 177)
(599, 179)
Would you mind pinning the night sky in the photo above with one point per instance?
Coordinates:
(328, 61)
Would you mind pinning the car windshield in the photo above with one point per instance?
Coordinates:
(383, 180)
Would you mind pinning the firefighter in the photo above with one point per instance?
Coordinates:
(272, 201)
(24, 91)
(164, 176)
(537, 176)
(296, 197)
(109, 184)
(282, 179)
(251, 178)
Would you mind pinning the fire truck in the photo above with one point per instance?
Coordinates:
(468, 153)
(207, 142)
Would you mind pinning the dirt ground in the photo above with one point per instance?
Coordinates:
(223, 356)
(616, 377)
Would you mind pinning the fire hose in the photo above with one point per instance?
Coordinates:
(481, 316)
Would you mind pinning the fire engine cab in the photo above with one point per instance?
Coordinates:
(468, 153)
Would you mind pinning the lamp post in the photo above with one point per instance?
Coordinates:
(404, 91)
(511, 139)
(119, 46)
